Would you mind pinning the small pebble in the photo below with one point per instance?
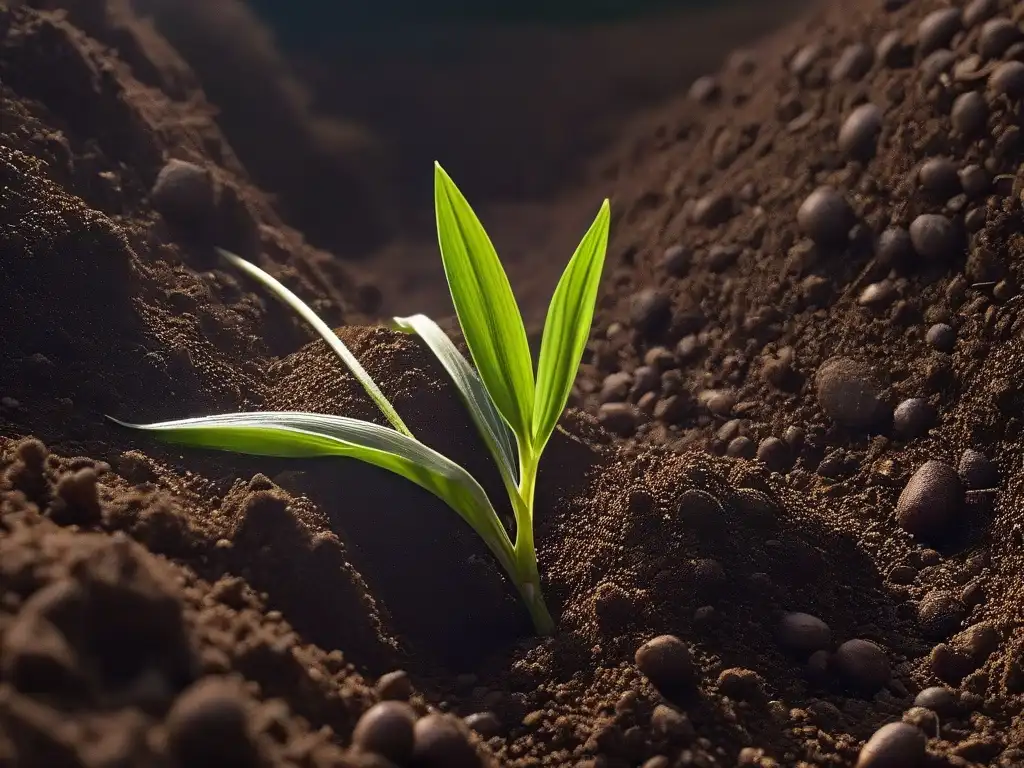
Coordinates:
(941, 337)
(858, 136)
(892, 52)
(713, 209)
(940, 614)
(896, 745)
(976, 471)
(937, 698)
(978, 11)
(939, 178)
(667, 662)
(825, 216)
(931, 500)
(619, 418)
(937, 29)
(894, 246)
(773, 453)
(1008, 80)
(705, 89)
(850, 394)
(877, 296)
(486, 724)
(386, 728)
(969, 114)
(996, 36)
(650, 311)
(853, 63)
(805, 58)
(208, 726)
(440, 743)
(862, 665)
(803, 633)
(615, 387)
(913, 417)
(935, 65)
(676, 260)
(183, 193)
(394, 686)
(975, 182)
(933, 236)
(741, 447)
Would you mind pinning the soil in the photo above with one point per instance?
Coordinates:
(735, 454)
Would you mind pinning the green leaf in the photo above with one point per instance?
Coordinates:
(306, 313)
(567, 328)
(292, 434)
(478, 402)
(485, 306)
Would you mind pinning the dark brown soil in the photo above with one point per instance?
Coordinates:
(161, 607)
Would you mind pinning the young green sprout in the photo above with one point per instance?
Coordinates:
(514, 408)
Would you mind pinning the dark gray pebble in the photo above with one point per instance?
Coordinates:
(619, 418)
(803, 633)
(941, 337)
(441, 743)
(937, 698)
(933, 236)
(825, 216)
(975, 181)
(667, 662)
(976, 471)
(931, 500)
(853, 63)
(939, 177)
(773, 453)
(650, 311)
(486, 724)
(705, 90)
(1008, 80)
(713, 209)
(184, 194)
(394, 686)
(892, 51)
(208, 726)
(969, 114)
(858, 136)
(387, 729)
(862, 665)
(913, 417)
(978, 11)
(996, 36)
(805, 58)
(894, 246)
(896, 745)
(940, 614)
(850, 394)
(937, 29)
(676, 260)
(741, 447)
(935, 64)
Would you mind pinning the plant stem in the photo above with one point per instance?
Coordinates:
(528, 574)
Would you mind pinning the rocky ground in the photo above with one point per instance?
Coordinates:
(783, 521)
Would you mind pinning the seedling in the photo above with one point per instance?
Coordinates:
(514, 409)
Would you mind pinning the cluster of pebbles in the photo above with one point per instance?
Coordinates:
(676, 372)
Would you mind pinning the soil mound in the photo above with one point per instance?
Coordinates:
(792, 519)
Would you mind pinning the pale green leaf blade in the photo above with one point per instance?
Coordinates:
(485, 306)
(292, 434)
(567, 327)
(337, 345)
(494, 431)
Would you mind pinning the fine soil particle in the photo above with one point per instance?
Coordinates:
(781, 525)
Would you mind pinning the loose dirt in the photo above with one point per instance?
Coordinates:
(796, 447)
